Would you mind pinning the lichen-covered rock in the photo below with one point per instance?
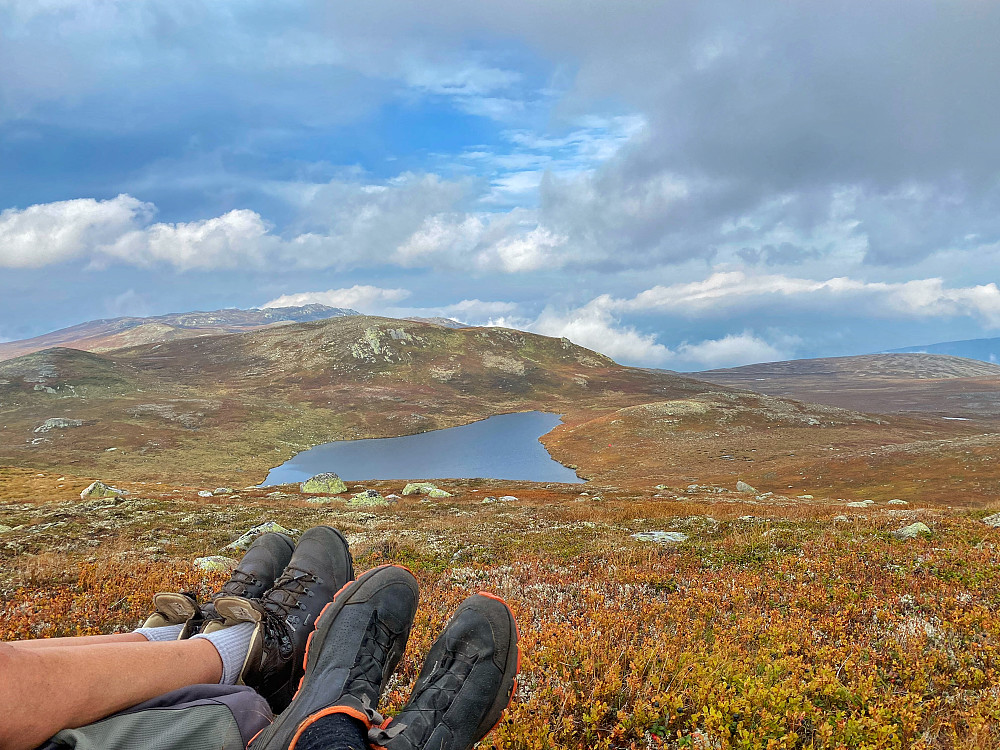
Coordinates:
(223, 491)
(204, 493)
(438, 493)
(993, 520)
(58, 423)
(857, 505)
(742, 486)
(367, 499)
(512, 499)
(419, 488)
(912, 531)
(326, 483)
(100, 489)
(321, 500)
(243, 543)
(660, 537)
(5, 529)
(897, 501)
(215, 564)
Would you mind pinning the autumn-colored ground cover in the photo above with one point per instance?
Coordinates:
(771, 626)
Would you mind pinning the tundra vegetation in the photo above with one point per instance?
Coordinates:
(781, 607)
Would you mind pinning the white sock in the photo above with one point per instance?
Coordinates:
(163, 633)
(232, 644)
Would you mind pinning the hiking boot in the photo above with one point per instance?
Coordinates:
(358, 642)
(286, 614)
(465, 685)
(255, 574)
(260, 567)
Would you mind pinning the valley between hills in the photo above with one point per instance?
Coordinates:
(797, 555)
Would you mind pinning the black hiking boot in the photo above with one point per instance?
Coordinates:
(357, 644)
(287, 612)
(255, 574)
(465, 685)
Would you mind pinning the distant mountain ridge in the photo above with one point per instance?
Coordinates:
(985, 350)
(115, 333)
(939, 384)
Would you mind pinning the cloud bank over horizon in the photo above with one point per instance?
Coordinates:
(685, 185)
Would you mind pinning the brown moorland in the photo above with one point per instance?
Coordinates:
(782, 617)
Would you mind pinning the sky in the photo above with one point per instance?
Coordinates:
(683, 184)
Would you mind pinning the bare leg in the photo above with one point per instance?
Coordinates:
(44, 690)
(80, 640)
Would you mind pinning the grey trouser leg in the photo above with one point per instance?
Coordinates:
(198, 717)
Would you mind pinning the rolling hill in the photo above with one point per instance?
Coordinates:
(114, 333)
(222, 405)
(932, 384)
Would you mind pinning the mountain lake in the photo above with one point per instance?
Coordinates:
(502, 447)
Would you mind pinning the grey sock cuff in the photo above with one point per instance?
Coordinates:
(232, 644)
(164, 633)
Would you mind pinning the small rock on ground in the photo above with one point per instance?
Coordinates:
(912, 531)
(993, 520)
(215, 564)
(660, 537)
(243, 543)
(742, 486)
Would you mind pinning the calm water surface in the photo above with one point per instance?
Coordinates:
(501, 447)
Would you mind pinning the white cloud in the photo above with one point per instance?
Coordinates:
(724, 292)
(49, 233)
(232, 240)
(476, 310)
(730, 351)
(595, 327)
(358, 297)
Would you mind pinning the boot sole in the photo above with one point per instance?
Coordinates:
(278, 735)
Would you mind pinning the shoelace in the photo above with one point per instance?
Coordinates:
(239, 584)
(437, 694)
(370, 662)
(284, 596)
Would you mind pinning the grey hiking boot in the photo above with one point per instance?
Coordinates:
(465, 685)
(287, 612)
(255, 574)
(357, 644)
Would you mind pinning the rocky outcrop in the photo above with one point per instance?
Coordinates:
(58, 423)
(326, 483)
(100, 489)
(419, 488)
(742, 486)
(367, 499)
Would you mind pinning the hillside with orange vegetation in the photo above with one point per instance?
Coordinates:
(734, 574)
(772, 621)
